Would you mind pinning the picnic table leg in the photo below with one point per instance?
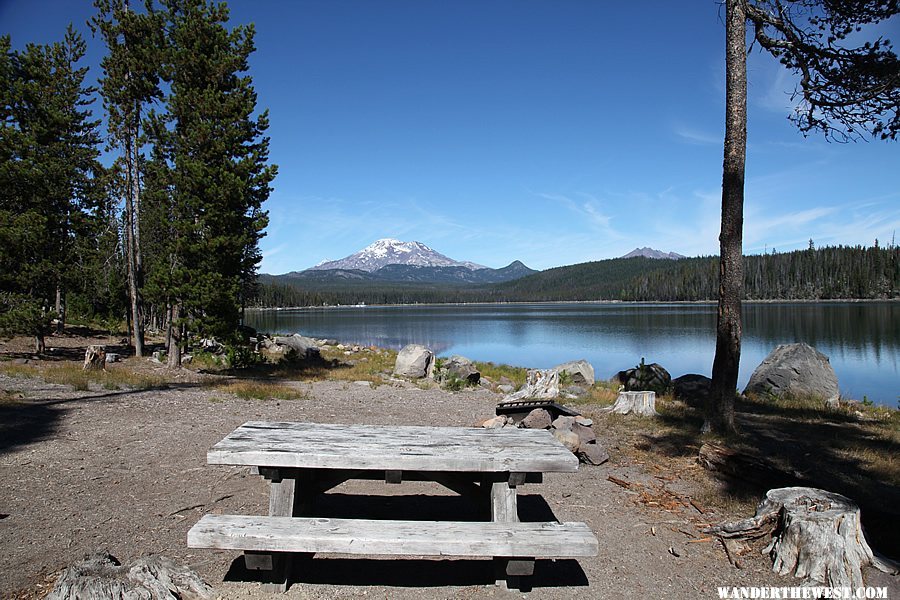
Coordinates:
(504, 509)
(289, 496)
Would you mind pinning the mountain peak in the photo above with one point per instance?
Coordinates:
(647, 252)
(389, 251)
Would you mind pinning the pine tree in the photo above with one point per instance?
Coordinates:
(211, 176)
(843, 92)
(130, 83)
(48, 179)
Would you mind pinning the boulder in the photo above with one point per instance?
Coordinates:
(692, 389)
(414, 361)
(795, 370)
(539, 418)
(563, 423)
(460, 367)
(592, 454)
(495, 422)
(568, 439)
(579, 372)
(304, 348)
(644, 377)
(585, 435)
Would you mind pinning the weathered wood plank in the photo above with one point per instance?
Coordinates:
(329, 446)
(420, 538)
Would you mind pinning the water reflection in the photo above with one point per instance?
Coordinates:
(861, 339)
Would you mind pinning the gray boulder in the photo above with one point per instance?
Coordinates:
(692, 389)
(795, 370)
(461, 368)
(303, 347)
(645, 378)
(579, 372)
(415, 361)
(537, 419)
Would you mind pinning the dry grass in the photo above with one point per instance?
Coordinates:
(71, 374)
(262, 390)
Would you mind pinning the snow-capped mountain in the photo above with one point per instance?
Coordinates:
(651, 253)
(389, 251)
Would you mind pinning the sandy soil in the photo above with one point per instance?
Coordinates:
(126, 471)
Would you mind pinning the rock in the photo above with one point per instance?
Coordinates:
(506, 388)
(796, 370)
(461, 368)
(112, 357)
(157, 356)
(645, 377)
(693, 389)
(94, 358)
(414, 361)
(567, 438)
(187, 359)
(539, 385)
(495, 423)
(537, 419)
(563, 423)
(593, 454)
(584, 421)
(579, 372)
(304, 348)
(585, 435)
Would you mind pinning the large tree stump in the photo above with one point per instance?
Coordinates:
(639, 403)
(101, 577)
(94, 358)
(816, 535)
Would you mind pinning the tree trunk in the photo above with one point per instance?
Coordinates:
(101, 577)
(639, 403)
(720, 403)
(60, 310)
(816, 535)
(132, 252)
(174, 358)
(94, 359)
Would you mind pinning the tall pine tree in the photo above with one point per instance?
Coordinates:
(210, 171)
(130, 83)
(48, 179)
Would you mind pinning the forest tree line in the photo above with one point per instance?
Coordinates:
(837, 272)
(166, 236)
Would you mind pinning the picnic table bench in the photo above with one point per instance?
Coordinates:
(302, 460)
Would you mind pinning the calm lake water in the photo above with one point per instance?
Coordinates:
(862, 340)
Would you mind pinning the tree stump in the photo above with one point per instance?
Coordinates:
(639, 403)
(101, 577)
(816, 535)
(94, 358)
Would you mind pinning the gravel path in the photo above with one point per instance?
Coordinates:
(125, 471)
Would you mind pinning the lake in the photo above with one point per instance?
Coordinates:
(862, 339)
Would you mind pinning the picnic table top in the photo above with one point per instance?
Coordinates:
(403, 448)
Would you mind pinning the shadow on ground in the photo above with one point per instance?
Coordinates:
(805, 447)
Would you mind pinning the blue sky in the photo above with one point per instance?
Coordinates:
(552, 132)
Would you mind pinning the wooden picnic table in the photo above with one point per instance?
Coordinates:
(302, 460)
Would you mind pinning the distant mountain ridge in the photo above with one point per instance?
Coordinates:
(393, 261)
(388, 251)
(652, 253)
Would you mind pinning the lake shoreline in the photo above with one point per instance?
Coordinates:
(576, 302)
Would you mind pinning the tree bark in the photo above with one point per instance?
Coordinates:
(132, 253)
(720, 403)
(639, 403)
(816, 535)
(174, 349)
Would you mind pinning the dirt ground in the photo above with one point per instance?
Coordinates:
(125, 471)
